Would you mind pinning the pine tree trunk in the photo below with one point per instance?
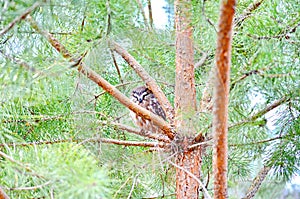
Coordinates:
(187, 173)
(188, 162)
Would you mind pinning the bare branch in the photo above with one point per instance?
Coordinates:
(128, 143)
(19, 18)
(150, 82)
(22, 63)
(112, 90)
(15, 162)
(256, 183)
(108, 19)
(207, 19)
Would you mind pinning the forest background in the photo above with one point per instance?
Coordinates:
(54, 119)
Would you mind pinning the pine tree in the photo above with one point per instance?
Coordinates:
(63, 136)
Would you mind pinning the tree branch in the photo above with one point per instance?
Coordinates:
(128, 143)
(262, 112)
(201, 61)
(92, 75)
(139, 132)
(221, 98)
(150, 13)
(258, 142)
(133, 185)
(19, 18)
(150, 82)
(22, 64)
(3, 194)
(80, 141)
(14, 161)
(31, 188)
(256, 183)
(143, 13)
(247, 12)
(116, 65)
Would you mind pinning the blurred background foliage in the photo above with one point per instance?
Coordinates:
(48, 111)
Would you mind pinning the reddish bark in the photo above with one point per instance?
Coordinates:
(185, 92)
(220, 98)
(188, 162)
(189, 167)
(3, 194)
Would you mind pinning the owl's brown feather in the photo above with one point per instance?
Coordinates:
(145, 98)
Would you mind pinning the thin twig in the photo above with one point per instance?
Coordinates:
(208, 19)
(22, 63)
(139, 132)
(258, 142)
(108, 25)
(116, 65)
(150, 13)
(143, 13)
(31, 188)
(133, 185)
(19, 18)
(81, 141)
(121, 187)
(14, 161)
(201, 61)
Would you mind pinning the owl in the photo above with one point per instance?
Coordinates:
(146, 99)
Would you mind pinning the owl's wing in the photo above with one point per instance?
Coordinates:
(156, 108)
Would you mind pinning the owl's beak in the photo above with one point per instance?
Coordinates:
(140, 100)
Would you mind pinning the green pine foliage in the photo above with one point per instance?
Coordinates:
(49, 112)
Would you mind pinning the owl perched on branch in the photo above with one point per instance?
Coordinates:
(145, 98)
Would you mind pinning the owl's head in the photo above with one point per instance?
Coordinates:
(139, 94)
